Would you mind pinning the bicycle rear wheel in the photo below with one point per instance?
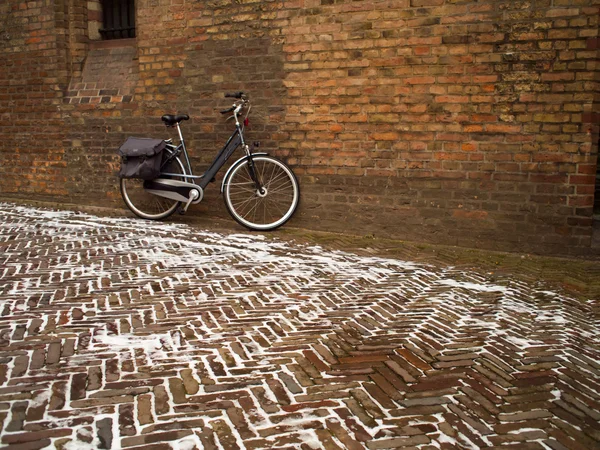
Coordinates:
(265, 210)
(146, 205)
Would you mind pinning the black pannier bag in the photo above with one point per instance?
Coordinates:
(141, 158)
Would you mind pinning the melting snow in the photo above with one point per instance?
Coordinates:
(414, 289)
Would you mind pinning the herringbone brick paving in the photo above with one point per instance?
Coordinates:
(120, 333)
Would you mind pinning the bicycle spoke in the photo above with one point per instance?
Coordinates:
(277, 205)
(243, 187)
(245, 202)
(252, 210)
(277, 177)
(282, 190)
(159, 202)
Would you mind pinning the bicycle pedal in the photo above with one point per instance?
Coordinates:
(181, 210)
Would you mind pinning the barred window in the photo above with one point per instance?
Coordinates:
(118, 19)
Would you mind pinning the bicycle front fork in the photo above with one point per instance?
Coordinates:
(260, 189)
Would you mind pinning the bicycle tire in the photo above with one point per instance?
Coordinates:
(261, 212)
(146, 205)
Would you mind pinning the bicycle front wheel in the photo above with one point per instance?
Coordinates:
(146, 205)
(264, 210)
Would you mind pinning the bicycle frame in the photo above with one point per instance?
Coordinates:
(235, 140)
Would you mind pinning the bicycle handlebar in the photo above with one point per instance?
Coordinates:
(243, 100)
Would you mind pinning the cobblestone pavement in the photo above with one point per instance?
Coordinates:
(120, 333)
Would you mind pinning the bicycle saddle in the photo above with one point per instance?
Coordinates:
(170, 120)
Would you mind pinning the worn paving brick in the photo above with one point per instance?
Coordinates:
(125, 333)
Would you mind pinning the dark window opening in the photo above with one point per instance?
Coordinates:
(118, 19)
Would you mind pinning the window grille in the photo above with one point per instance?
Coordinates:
(118, 19)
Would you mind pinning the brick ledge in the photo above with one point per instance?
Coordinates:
(113, 43)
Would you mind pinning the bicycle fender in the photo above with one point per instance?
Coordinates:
(239, 161)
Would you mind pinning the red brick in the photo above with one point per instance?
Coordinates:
(582, 179)
(464, 214)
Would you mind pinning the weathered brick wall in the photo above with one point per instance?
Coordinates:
(32, 75)
(460, 122)
(468, 116)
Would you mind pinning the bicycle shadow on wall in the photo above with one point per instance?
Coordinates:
(260, 191)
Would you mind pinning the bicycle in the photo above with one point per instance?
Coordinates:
(260, 191)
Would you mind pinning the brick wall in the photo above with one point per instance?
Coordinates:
(457, 122)
(33, 74)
